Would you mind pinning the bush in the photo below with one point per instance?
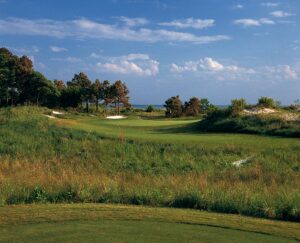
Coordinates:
(237, 106)
(150, 108)
(266, 102)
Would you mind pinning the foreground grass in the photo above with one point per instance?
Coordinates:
(154, 164)
(107, 223)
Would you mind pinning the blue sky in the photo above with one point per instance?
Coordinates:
(219, 49)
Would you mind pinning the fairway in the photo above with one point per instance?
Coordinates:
(170, 131)
(114, 223)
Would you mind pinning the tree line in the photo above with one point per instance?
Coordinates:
(194, 107)
(20, 84)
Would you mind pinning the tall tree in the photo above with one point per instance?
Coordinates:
(59, 84)
(118, 95)
(106, 93)
(192, 107)
(97, 92)
(14, 72)
(173, 106)
(7, 74)
(82, 81)
(70, 97)
(40, 91)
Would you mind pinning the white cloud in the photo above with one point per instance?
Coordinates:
(57, 49)
(132, 64)
(190, 66)
(190, 23)
(247, 22)
(207, 64)
(136, 56)
(266, 21)
(87, 29)
(253, 22)
(280, 72)
(133, 21)
(213, 68)
(238, 6)
(270, 4)
(281, 14)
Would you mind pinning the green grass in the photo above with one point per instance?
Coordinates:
(155, 162)
(115, 223)
(171, 131)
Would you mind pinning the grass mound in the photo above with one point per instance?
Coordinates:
(265, 124)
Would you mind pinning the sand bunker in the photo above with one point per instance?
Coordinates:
(260, 111)
(240, 162)
(51, 117)
(57, 113)
(116, 117)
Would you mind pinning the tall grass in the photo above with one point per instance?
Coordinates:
(42, 162)
(267, 124)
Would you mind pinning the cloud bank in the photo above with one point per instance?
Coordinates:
(88, 29)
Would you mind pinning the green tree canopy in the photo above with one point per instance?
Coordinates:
(192, 107)
(237, 106)
(173, 106)
(82, 81)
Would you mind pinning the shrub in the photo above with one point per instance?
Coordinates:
(150, 108)
(237, 106)
(266, 102)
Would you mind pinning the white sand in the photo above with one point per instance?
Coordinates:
(51, 117)
(116, 117)
(260, 111)
(57, 113)
(240, 162)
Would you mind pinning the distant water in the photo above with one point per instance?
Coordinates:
(138, 106)
(145, 106)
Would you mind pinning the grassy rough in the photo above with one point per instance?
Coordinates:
(266, 124)
(157, 164)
